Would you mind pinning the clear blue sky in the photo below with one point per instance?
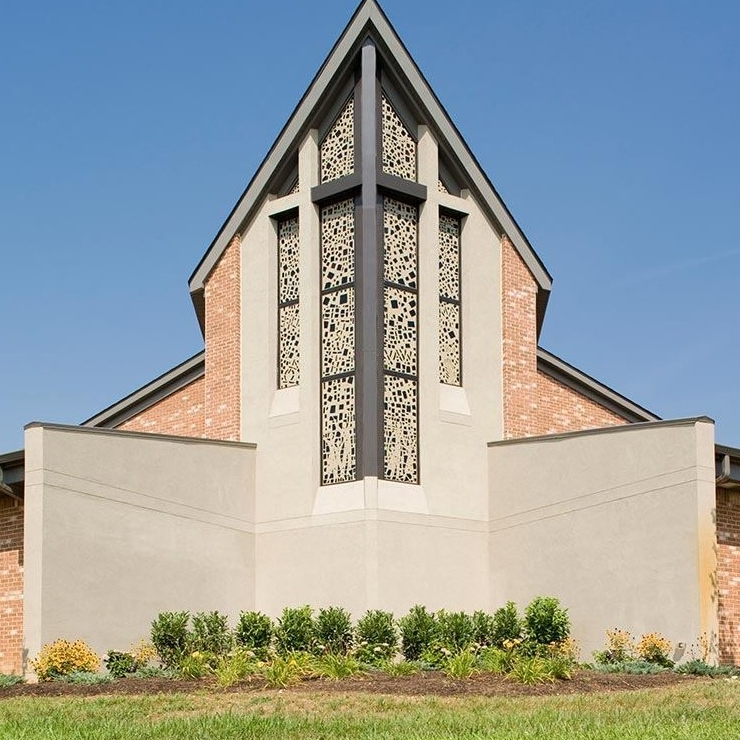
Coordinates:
(129, 130)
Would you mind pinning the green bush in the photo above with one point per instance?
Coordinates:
(120, 664)
(507, 625)
(211, 633)
(546, 621)
(295, 630)
(84, 678)
(702, 668)
(377, 637)
(454, 631)
(334, 633)
(418, 631)
(170, 637)
(254, 631)
(484, 628)
(10, 679)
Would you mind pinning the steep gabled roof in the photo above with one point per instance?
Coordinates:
(369, 21)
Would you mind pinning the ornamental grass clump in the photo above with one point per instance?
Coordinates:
(62, 657)
(461, 664)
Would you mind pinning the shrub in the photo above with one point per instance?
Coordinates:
(418, 630)
(170, 637)
(143, 653)
(336, 666)
(334, 630)
(546, 621)
(484, 628)
(62, 657)
(281, 672)
(454, 630)
(10, 679)
(531, 671)
(654, 648)
(197, 664)
(236, 667)
(120, 664)
(295, 630)
(377, 637)
(461, 665)
(507, 625)
(211, 633)
(254, 632)
(567, 648)
(702, 668)
(85, 678)
(620, 648)
(636, 667)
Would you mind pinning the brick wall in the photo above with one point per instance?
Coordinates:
(534, 403)
(181, 413)
(728, 575)
(223, 346)
(11, 586)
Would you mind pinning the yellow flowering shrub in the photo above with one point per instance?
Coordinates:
(569, 649)
(143, 653)
(654, 648)
(620, 645)
(63, 657)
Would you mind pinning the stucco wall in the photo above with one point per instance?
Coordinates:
(11, 586)
(180, 414)
(728, 574)
(533, 402)
(120, 526)
(618, 524)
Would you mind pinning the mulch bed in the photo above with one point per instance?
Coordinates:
(425, 684)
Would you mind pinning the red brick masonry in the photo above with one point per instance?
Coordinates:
(11, 586)
(534, 403)
(728, 575)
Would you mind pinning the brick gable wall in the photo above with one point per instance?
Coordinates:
(534, 403)
(181, 413)
(11, 587)
(223, 346)
(728, 575)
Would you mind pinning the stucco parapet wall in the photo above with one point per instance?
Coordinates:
(141, 435)
(689, 421)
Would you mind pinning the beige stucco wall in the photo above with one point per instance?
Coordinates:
(616, 523)
(120, 526)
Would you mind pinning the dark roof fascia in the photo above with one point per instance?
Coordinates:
(689, 421)
(145, 397)
(12, 459)
(369, 19)
(727, 467)
(577, 380)
(12, 471)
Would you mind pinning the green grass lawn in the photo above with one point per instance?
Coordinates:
(697, 711)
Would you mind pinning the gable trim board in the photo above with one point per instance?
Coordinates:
(369, 20)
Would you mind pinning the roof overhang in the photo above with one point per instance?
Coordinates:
(727, 463)
(12, 474)
(368, 21)
(572, 377)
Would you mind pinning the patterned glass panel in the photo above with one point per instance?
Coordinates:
(449, 343)
(337, 244)
(400, 432)
(296, 187)
(289, 364)
(338, 146)
(400, 239)
(338, 332)
(288, 254)
(399, 146)
(441, 187)
(449, 257)
(400, 320)
(338, 446)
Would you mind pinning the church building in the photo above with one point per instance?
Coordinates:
(372, 422)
